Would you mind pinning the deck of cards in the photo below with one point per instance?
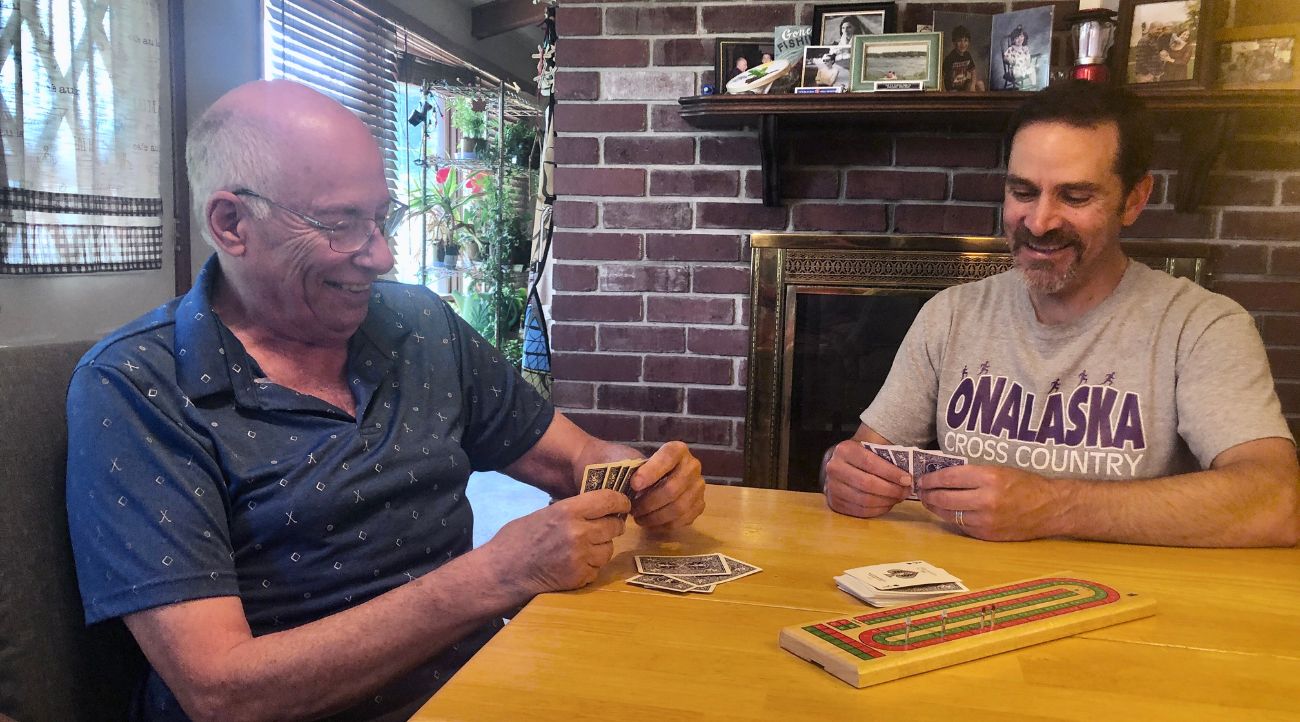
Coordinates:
(700, 573)
(884, 585)
(917, 462)
(616, 475)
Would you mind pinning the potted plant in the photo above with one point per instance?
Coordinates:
(519, 140)
(472, 125)
(449, 202)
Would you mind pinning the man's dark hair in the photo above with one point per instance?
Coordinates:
(960, 33)
(1088, 105)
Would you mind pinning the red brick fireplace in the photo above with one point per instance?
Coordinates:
(651, 257)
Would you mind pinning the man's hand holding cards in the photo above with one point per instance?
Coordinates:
(916, 462)
(616, 475)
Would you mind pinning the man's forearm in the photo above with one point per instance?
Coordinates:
(1246, 503)
(556, 461)
(335, 662)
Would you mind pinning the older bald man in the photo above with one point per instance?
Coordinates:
(266, 476)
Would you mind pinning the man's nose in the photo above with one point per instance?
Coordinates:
(377, 254)
(1043, 217)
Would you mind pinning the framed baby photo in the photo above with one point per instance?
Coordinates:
(837, 25)
(1020, 52)
(1166, 43)
(900, 61)
(736, 56)
(1260, 56)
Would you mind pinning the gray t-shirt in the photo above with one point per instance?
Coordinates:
(1158, 379)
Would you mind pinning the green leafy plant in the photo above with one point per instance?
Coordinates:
(476, 307)
(471, 123)
(518, 140)
(481, 214)
(498, 219)
(451, 203)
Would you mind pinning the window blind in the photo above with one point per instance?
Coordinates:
(343, 50)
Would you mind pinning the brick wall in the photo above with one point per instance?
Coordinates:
(651, 264)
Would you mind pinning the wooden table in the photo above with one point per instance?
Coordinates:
(1224, 642)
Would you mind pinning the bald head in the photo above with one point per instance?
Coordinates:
(263, 136)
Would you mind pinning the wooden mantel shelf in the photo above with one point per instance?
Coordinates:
(1206, 120)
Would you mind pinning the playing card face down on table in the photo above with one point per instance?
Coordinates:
(699, 573)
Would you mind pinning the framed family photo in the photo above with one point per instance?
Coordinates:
(895, 59)
(1261, 56)
(839, 24)
(1167, 42)
(736, 56)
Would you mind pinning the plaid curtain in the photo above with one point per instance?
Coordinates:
(79, 123)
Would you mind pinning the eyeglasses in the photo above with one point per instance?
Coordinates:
(348, 236)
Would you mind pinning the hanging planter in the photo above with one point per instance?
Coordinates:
(471, 121)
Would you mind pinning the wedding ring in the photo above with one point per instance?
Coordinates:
(960, 524)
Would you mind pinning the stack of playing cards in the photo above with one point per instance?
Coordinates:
(884, 585)
(696, 573)
(616, 475)
(917, 462)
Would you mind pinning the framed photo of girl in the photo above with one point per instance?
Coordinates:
(1021, 49)
(838, 24)
(1167, 44)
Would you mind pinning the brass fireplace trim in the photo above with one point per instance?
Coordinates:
(784, 261)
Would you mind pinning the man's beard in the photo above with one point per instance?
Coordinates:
(1046, 276)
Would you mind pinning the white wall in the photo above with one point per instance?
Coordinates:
(223, 49)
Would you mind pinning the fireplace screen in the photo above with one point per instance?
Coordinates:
(827, 314)
(843, 343)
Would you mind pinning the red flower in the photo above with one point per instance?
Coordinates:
(473, 182)
(441, 176)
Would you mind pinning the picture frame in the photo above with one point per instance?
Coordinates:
(1166, 44)
(1020, 52)
(964, 59)
(1259, 57)
(897, 58)
(730, 51)
(826, 66)
(869, 18)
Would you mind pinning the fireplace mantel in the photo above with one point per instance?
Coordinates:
(1206, 120)
(786, 265)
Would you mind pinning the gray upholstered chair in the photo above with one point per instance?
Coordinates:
(52, 668)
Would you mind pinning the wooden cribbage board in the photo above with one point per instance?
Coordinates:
(877, 647)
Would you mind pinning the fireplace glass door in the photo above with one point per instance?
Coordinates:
(840, 343)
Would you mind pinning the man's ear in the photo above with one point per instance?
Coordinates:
(225, 214)
(1136, 200)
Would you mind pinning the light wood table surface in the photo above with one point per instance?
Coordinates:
(1224, 643)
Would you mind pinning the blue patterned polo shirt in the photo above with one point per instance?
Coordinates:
(190, 475)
